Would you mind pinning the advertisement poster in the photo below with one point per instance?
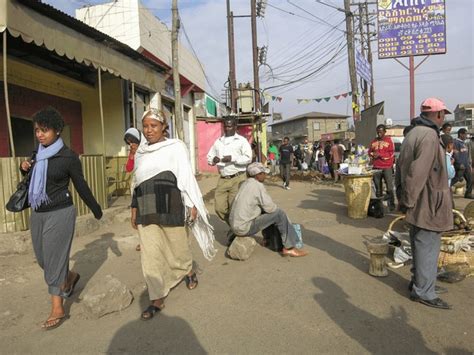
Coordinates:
(411, 28)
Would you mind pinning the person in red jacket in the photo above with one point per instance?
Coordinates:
(381, 151)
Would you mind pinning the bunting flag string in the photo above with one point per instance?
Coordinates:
(327, 99)
(273, 98)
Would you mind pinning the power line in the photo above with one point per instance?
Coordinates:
(316, 17)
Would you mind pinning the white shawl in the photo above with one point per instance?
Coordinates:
(172, 155)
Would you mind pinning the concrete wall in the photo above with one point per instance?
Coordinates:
(296, 130)
(133, 24)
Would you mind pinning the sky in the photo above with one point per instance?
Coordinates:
(305, 36)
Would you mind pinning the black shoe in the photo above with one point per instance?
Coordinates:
(435, 303)
(438, 289)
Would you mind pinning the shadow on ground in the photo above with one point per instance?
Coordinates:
(377, 335)
(355, 258)
(160, 335)
(334, 202)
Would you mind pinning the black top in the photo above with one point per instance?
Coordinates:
(63, 167)
(285, 153)
(158, 201)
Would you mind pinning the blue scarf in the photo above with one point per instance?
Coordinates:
(37, 190)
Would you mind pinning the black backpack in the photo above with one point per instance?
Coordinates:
(376, 209)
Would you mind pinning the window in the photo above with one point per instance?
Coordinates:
(316, 126)
(338, 125)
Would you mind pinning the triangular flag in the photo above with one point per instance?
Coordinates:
(318, 100)
(279, 99)
(350, 93)
(299, 100)
(344, 95)
(327, 99)
(337, 97)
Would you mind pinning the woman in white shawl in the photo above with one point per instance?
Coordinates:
(167, 203)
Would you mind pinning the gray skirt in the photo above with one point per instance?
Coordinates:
(52, 233)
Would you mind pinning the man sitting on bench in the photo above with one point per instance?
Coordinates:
(254, 210)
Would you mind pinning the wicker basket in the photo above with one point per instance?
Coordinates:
(448, 238)
(358, 189)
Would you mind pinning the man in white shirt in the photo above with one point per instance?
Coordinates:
(231, 153)
(253, 210)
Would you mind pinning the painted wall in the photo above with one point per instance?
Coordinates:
(207, 133)
(46, 82)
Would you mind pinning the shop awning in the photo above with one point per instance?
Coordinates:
(46, 26)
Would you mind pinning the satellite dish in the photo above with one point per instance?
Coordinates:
(388, 122)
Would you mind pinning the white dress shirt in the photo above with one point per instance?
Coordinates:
(237, 147)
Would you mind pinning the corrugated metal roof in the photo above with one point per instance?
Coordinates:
(79, 26)
(309, 115)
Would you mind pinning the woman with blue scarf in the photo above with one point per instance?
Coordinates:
(53, 214)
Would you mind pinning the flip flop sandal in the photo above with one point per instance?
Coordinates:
(68, 293)
(55, 322)
(191, 281)
(148, 313)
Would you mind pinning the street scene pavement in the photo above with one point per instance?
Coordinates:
(323, 303)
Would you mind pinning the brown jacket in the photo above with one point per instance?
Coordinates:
(423, 179)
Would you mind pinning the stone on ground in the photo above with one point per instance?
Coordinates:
(106, 295)
(241, 248)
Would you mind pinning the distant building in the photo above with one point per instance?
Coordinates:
(463, 116)
(314, 125)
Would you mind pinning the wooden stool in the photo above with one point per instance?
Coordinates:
(377, 249)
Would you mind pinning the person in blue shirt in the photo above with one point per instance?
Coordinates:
(462, 162)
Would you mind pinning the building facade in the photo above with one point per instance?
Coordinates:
(311, 125)
(463, 116)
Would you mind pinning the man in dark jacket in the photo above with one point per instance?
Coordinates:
(462, 163)
(426, 198)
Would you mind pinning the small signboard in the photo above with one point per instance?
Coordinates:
(411, 28)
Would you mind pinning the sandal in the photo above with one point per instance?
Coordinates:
(53, 323)
(148, 313)
(68, 293)
(191, 281)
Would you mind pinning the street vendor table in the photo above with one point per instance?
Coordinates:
(358, 189)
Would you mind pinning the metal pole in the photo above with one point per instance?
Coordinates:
(101, 108)
(369, 56)
(5, 89)
(178, 110)
(256, 83)
(411, 69)
(350, 56)
(232, 74)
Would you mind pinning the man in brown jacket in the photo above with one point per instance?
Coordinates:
(425, 197)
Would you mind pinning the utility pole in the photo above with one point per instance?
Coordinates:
(256, 82)
(362, 52)
(232, 74)
(178, 115)
(351, 57)
(369, 55)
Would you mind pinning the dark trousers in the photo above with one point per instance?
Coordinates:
(386, 175)
(467, 175)
(285, 172)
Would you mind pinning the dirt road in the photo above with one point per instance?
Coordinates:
(323, 303)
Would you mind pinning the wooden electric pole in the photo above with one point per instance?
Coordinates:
(351, 57)
(178, 115)
(256, 82)
(369, 55)
(365, 84)
(232, 74)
